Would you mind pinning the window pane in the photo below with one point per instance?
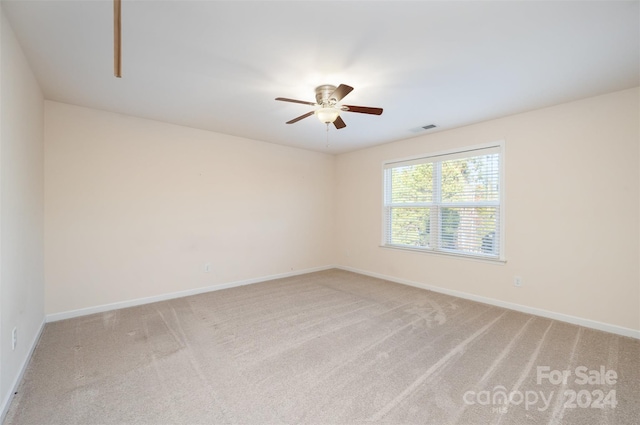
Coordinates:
(412, 183)
(410, 226)
(455, 194)
(470, 230)
(471, 179)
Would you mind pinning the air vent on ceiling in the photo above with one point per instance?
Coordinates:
(424, 127)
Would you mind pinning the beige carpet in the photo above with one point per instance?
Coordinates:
(326, 348)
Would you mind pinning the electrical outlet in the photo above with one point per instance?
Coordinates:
(517, 281)
(207, 267)
(14, 338)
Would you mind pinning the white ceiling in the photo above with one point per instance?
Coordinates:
(218, 65)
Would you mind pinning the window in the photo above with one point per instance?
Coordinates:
(448, 203)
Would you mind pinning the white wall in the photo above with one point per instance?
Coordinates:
(135, 208)
(21, 210)
(572, 211)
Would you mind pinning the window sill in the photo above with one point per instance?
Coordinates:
(480, 259)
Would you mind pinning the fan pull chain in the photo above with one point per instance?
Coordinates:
(327, 135)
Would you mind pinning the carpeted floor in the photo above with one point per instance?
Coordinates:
(326, 348)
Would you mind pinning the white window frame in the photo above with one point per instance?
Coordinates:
(432, 158)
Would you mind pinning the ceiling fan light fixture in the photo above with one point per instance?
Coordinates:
(327, 115)
(327, 98)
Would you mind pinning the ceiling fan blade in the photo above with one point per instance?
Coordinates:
(340, 92)
(284, 99)
(308, 114)
(363, 109)
(339, 123)
(117, 39)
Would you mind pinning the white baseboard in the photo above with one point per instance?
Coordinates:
(619, 330)
(54, 317)
(6, 402)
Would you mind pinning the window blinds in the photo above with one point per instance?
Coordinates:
(447, 203)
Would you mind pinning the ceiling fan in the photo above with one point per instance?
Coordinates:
(328, 111)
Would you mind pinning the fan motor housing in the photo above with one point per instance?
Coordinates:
(322, 95)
